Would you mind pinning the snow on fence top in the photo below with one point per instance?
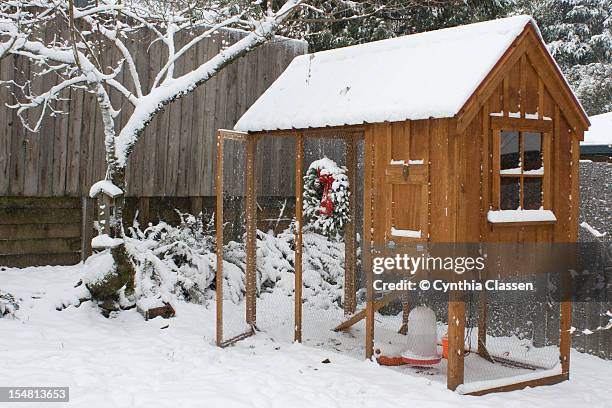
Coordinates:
(600, 132)
(417, 76)
(105, 186)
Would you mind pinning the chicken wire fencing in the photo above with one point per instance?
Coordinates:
(520, 338)
(275, 257)
(323, 245)
(232, 311)
(521, 334)
(333, 282)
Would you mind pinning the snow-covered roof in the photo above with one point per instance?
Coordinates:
(600, 132)
(416, 76)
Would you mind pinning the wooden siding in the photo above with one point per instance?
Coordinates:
(426, 199)
(175, 156)
(520, 88)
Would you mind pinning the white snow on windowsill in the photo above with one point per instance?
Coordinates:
(485, 385)
(531, 116)
(405, 233)
(503, 216)
(409, 162)
(104, 241)
(592, 230)
(105, 186)
(517, 171)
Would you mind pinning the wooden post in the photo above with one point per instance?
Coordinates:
(483, 309)
(368, 239)
(219, 238)
(405, 313)
(456, 333)
(251, 233)
(350, 259)
(565, 338)
(299, 180)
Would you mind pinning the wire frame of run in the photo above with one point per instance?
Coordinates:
(235, 190)
(333, 275)
(349, 139)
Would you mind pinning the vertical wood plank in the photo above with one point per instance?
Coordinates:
(482, 324)
(207, 167)
(188, 106)
(75, 142)
(486, 175)
(456, 333)
(251, 233)
(151, 137)
(219, 239)
(299, 170)
(350, 259)
(368, 233)
(6, 72)
(523, 76)
(496, 166)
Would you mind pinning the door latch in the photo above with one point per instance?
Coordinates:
(405, 170)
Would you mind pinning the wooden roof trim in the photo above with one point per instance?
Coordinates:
(553, 64)
(562, 95)
(337, 132)
(519, 46)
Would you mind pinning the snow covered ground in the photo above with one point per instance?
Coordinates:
(127, 362)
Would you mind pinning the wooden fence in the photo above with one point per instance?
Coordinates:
(175, 156)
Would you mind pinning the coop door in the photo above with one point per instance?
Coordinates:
(406, 208)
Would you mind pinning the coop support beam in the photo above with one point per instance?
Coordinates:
(368, 239)
(565, 321)
(359, 316)
(482, 325)
(251, 233)
(299, 179)
(456, 333)
(350, 259)
(405, 313)
(370, 309)
(219, 240)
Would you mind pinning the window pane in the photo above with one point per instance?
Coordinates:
(532, 196)
(509, 193)
(509, 151)
(533, 153)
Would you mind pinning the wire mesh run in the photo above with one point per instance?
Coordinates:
(232, 317)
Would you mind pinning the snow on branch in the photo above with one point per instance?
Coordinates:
(75, 55)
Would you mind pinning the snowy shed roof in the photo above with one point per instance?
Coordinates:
(600, 132)
(416, 76)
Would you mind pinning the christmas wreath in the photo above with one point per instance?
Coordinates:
(326, 197)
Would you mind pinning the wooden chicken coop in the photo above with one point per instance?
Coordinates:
(470, 134)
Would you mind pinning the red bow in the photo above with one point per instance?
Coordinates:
(327, 206)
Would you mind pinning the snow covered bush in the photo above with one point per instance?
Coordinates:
(178, 263)
(174, 261)
(8, 305)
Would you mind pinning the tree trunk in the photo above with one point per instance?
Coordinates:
(123, 274)
(124, 267)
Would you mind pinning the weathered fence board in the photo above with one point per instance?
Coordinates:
(40, 230)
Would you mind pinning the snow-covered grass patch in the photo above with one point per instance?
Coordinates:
(125, 361)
